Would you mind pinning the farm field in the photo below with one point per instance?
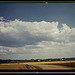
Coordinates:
(55, 65)
(17, 66)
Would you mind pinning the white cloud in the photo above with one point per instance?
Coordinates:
(3, 51)
(33, 38)
(1, 18)
(12, 50)
(36, 31)
(55, 49)
(21, 31)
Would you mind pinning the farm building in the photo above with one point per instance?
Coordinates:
(38, 60)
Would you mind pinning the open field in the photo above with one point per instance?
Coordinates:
(55, 65)
(71, 64)
(17, 66)
(51, 62)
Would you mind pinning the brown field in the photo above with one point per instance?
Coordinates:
(17, 66)
(36, 66)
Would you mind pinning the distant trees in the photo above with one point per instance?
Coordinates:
(35, 60)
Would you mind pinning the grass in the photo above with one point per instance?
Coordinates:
(32, 65)
(70, 64)
(17, 66)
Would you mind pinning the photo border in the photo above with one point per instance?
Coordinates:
(37, 71)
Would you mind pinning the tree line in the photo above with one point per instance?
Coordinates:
(35, 60)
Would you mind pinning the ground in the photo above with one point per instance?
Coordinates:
(36, 66)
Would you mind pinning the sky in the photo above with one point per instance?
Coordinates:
(37, 30)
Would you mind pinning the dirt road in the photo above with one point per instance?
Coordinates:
(55, 67)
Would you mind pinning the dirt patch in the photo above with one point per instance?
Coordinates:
(32, 67)
(19, 67)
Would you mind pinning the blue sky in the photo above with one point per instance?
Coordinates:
(62, 12)
(37, 30)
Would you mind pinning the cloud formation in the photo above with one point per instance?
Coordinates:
(20, 33)
(24, 39)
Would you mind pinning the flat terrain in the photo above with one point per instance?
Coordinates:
(55, 67)
(37, 66)
(17, 66)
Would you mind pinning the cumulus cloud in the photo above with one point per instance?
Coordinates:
(19, 33)
(3, 19)
(30, 38)
(44, 49)
(56, 49)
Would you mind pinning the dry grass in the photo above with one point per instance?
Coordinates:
(31, 65)
(48, 62)
(17, 66)
(68, 64)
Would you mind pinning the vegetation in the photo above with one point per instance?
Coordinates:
(17, 66)
(70, 64)
(33, 60)
(37, 65)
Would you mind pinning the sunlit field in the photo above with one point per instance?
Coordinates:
(36, 65)
(18, 66)
(48, 62)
